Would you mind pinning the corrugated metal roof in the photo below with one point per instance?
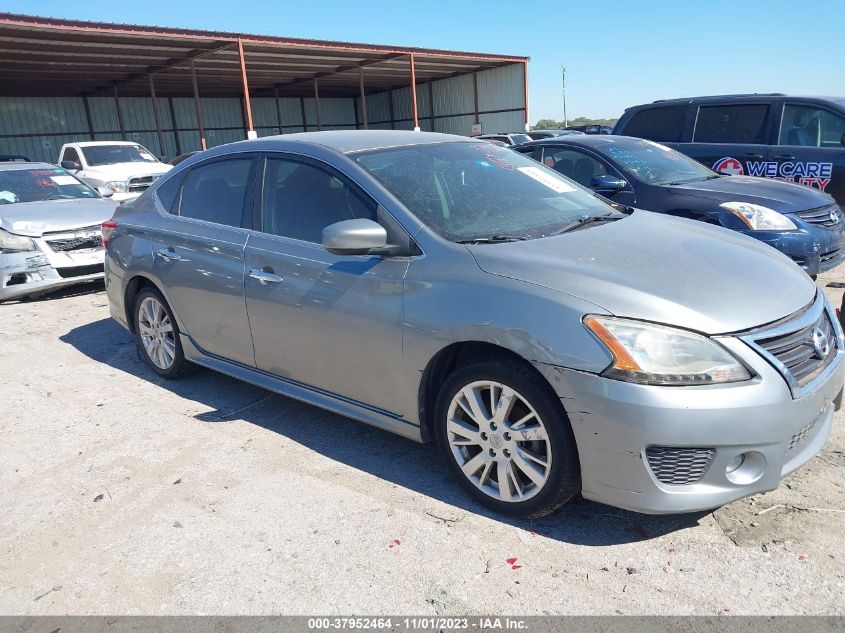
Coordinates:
(49, 56)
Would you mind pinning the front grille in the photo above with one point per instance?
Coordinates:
(797, 351)
(679, 466)
(79, 271)
(800, 435)
(76, 243)
(141, 183)
(828, 216)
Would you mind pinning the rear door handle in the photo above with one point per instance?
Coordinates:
(752, 155)
(784, 157)
(168, 254)
(264, 277)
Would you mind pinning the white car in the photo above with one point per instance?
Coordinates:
(125, 168)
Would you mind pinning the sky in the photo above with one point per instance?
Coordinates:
(618, 53)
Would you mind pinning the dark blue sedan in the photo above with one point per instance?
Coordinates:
(803, 223)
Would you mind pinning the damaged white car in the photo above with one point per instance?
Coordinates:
(50, 232)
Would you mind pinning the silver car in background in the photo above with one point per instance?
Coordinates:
(49, 229)
(449, 289)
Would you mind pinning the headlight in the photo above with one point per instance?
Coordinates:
(759, 218)
(659, 355)
(10, 243)
(117, 186)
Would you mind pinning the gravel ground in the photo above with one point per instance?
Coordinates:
(126, 494)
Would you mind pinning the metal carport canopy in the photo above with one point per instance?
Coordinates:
(55, 57)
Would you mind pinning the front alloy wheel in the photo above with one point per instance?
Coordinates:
(499, 441)
(505, 435)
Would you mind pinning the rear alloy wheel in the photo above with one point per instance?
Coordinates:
(507, 438)
(158, 335)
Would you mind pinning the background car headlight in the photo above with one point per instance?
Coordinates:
(117, 186)
(10, 243)
(658, 355)
(759, 218)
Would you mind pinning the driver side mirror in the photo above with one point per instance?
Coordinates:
(355, 237)
(608, 183)
(71, 165)
(105, 192)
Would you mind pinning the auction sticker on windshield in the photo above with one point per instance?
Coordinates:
(548, 180)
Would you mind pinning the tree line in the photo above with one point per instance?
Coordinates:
(551, 124)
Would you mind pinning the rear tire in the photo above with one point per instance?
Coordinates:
(157, 335)
(506, 437)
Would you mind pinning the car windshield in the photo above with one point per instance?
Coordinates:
(478, 191)
(655, 164)
(34, 185)
(113, 154)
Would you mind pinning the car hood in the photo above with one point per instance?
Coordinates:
(35, 218)
(122, 171)
(663, 269)
(784, 197)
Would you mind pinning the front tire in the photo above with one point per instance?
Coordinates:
(506, 437)
(157, 335)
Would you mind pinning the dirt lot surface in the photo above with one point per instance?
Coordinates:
(126, 494)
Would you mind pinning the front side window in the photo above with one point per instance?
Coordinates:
(664, 123)
(809, 126)
(475, 191)
(35, 185)
(573, 164)
(731, 124)
(70, 154)
(113, 154)
(655, 164)
(301, 199)
(217, 191)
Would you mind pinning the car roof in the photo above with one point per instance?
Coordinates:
(89, 143)
(350, 141)
(749, 96)
(597, 141)
(13, 166)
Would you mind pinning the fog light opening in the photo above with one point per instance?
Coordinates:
(745, 468)
(735, 463)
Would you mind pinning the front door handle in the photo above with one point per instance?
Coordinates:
(168, 254)
(784, 157)
(752, 155)
(264, 277)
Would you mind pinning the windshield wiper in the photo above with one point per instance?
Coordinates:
(494, 239)
(584, 220)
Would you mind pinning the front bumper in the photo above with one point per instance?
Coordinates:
(615, 422)
(32, 273)
(816, 249)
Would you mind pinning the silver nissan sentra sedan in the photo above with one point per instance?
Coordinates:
(448, 289)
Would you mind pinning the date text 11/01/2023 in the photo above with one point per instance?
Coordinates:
(434, 623)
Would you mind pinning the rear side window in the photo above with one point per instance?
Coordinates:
(167, 193)
(217, 192)
(658, 124)
(731, 124)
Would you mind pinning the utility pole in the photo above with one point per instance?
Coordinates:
(565, 120)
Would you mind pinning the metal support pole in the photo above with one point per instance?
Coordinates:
(363, 97)
(302, 109)
(475, 96)
(525, 93)
(88, 116)
(119, 114)
(278, 110)
(175, 128)
(317, 102)
(198, 106)
(250, 132)
(431, 105)
(392, 114)
(414, 95)
(162, 148)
